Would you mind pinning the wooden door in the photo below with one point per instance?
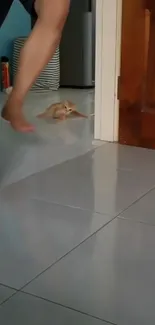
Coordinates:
(137, 77)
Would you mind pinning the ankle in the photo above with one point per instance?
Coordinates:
(15, 98)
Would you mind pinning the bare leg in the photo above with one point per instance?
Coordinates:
(36, 53)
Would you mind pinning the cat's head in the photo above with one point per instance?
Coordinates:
(69, 107)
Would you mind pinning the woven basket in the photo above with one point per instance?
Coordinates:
(49, 79)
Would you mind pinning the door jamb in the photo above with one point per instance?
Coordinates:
(108, 55)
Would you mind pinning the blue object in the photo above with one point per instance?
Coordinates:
(17, 24)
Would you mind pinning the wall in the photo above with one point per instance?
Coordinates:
(16, 24)
(94, 35)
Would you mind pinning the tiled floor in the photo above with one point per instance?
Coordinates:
(77, 236)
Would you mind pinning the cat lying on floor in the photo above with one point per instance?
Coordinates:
(61, 111)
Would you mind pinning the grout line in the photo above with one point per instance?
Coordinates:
(94, 211)
(98, 230)
(136, 201)
(81, 243)
(7, 286)
(12, 295)
(70, 308)
(136, 221)
(65, 307)
(104, 214)
(7, 299)
(54, 263)
(21, 290)
(69, 252)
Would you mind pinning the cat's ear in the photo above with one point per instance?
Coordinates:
(73, 106)
(66, 103)
(49, 108)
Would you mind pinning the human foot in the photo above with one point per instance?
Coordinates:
(16, 119)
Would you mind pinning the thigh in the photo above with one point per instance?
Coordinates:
(4, 9)
(52, 10)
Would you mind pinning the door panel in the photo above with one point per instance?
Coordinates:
(137, 80)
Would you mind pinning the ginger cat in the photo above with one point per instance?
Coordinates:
(61, 111)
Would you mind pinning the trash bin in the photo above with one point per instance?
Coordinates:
(49, 78)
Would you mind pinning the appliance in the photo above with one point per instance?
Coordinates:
(77, 47)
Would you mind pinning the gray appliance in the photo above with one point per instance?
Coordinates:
(77, 47)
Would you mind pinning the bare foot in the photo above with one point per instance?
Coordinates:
(16, 119)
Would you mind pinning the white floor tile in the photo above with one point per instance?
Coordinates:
(111, 275)
(35, 234)
(92, 182)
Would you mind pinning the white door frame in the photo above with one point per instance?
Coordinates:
(108, 53)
